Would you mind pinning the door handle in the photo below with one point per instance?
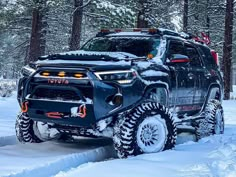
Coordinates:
(190, 75)
(207, 75)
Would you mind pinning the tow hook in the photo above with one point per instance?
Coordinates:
(24, 106)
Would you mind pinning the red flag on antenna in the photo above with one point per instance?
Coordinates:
(205, 38)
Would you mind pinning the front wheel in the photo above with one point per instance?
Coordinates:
(24, 129)
(148, 128)
(29, 131)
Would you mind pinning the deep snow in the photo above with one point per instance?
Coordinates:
(213, 156)
(46, 159)
(8, 111)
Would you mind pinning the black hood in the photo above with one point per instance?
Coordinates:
(89, 60)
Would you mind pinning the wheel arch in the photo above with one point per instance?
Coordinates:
(215, 91)
(163, 87)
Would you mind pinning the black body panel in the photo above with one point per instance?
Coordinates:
(56, 96)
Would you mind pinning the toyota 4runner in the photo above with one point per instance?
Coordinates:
(141, 88)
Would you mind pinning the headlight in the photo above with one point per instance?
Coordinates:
(122, 77)
(27, 71)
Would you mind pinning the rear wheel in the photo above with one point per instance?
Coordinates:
(148, 128)
(213, 122)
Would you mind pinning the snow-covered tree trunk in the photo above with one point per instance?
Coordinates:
(142, 21)
(76, 25)
(227, 49)
(38, 33)
(185, 16)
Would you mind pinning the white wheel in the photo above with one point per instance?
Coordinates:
(44, 132)
(147, 128)
(151, 134)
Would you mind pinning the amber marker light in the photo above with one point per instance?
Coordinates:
(45, 74)
(152, 30)
(150, 56)
(78, 75)
(137, 30)
(61, 74)
(105, 30)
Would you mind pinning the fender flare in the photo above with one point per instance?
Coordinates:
(149, 88)
(212, 92)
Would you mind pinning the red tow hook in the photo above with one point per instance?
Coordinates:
(24, 107)
(82, 111)
(55, 115)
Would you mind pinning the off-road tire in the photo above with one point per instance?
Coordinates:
(24, 129)
(208, 126)
(126, 129)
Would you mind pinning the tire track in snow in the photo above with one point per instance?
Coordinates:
(8, 140)
(50, 158)
(68, 162)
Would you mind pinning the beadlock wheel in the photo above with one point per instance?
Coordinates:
(151, 134)
(147, 128)
(44, 132)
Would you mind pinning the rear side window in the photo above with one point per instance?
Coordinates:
(193, 55)
(176, 47)
(207, 57)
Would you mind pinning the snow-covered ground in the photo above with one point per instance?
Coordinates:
(46, 159)
(8, 111)
(213, 156)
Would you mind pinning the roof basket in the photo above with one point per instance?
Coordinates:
(204, 39)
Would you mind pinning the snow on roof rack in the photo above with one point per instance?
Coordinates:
(152, 31)
(204, 39)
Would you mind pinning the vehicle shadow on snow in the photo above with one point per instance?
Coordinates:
(85, 142)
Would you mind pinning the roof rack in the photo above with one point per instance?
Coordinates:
(153, 31)
(204, 39)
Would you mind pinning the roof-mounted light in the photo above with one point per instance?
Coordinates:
(105, 30)
(118, 30)
(152, 31)
(137, 30)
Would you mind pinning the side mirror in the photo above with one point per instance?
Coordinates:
(178, 58)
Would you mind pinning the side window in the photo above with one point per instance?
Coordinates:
(176, 47)
(193, 55)
(207, 57)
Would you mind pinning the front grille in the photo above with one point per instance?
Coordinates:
(52, 94)
(76, 87)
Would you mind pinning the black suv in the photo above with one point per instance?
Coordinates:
(140, 88)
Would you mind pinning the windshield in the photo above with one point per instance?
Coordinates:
(139, 46)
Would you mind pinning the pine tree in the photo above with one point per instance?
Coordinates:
(227, 50)
(76, 25)
(185, 16)
(38, 33)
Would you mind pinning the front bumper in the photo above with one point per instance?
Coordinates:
(65, 113)
(89, 99)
